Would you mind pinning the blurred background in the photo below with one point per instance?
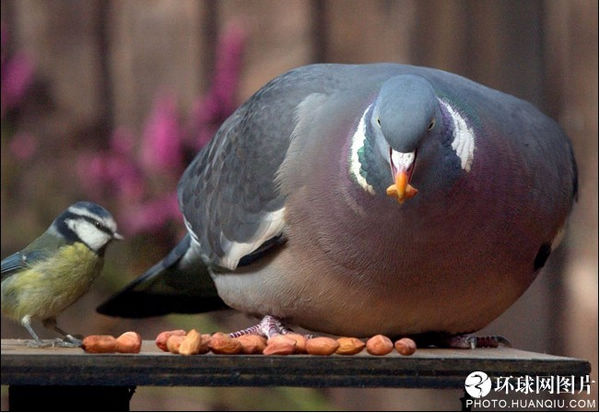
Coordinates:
(109, 100)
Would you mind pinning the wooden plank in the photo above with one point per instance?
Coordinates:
(427, 368)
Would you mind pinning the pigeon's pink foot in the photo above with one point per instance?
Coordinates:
(471, 341)
(268, 327)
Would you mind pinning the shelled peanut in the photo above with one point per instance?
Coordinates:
(252, 343)
(280, 345)
(161, 339)
(379, 345)
(221, 343)
(405, 346)
(128, 342)
(194, 343)
(349, 346)
(322, 346)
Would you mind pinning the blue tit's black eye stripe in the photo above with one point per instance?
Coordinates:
(97, 224)
(69, 234)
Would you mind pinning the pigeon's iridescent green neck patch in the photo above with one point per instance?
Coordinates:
(357, 153)
(366, 166)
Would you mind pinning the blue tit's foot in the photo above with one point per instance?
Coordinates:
(69, 341)
(43, 343)
(268, 327)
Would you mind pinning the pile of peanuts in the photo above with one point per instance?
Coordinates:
(192, 342)
(128, 342)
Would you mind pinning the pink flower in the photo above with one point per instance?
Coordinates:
(151, 216)
(3, 41)
(17, 75)
(114, 171)
(211, 110)
(122, 142)
(23, 146)
(162, 138)
(142, 181)
(228, 65)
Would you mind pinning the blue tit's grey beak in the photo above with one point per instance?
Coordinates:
(118, 236)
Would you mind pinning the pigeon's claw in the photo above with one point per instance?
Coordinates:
(268, 327)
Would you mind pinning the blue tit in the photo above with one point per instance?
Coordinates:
(56, 269)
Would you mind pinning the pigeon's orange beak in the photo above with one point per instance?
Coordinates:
(401, 189)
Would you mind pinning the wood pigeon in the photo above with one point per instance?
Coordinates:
(366, 199)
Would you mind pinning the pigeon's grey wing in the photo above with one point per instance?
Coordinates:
(229, 194)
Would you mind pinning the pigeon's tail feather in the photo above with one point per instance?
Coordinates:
(167, 287)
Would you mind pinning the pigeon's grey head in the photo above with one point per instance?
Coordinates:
(404, 113)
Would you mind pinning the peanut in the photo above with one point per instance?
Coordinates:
(322, 346)
(194, 343)
(129, 342)
(161, 339)
(221, 343)
(99, 344)
(252, 343)
(280, 345)
(300, 341)
(379, 345)
(405, 346)
(174, 342)
(349, 345)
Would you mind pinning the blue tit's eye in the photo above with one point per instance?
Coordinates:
(98, 224)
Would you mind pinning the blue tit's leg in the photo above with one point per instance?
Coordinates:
(26, 322)
(68, 341)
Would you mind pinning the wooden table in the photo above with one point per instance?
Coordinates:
(64, 376)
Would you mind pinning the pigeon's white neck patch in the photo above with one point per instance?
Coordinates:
(358, 142)
(463, 143)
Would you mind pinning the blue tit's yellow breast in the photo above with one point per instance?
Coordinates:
(48, 287)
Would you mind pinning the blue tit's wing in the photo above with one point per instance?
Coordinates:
(19, 260)
(12, 263)
(39, 249)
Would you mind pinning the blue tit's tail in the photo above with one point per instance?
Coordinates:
(174, 285)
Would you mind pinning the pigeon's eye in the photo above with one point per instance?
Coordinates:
(431, 124)
(379, 121)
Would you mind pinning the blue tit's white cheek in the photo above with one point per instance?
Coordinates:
(88, 233)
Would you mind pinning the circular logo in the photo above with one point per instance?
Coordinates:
(478, 384)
